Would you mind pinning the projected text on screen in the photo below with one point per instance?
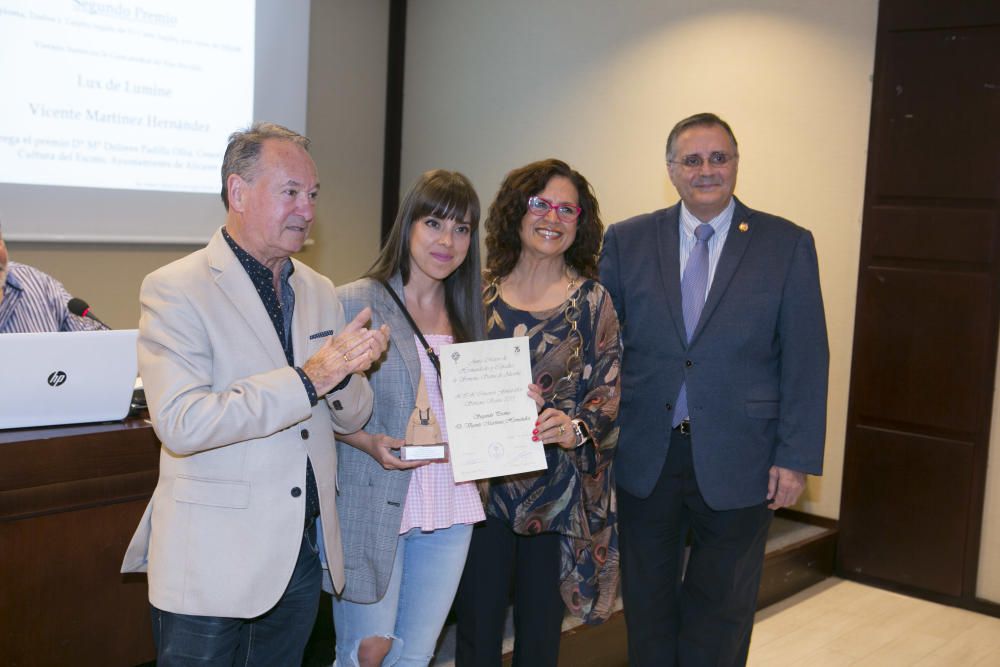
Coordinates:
(127, 95)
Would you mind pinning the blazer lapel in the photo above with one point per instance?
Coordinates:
(732, 253)
(668, 243)
(306, 320)
(233, 281)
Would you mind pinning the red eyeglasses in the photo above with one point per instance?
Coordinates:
(566, 212)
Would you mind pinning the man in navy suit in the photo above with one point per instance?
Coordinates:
(723, 411)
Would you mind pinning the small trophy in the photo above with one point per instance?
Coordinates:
(423, 433)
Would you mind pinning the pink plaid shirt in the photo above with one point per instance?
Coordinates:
(434, 500)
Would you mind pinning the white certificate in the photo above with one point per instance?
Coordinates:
(490, 415)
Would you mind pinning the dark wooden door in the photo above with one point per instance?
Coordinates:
(925, 341)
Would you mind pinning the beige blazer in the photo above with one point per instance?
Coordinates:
(221, 534)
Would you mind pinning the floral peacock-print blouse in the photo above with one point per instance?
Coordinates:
(575, 357)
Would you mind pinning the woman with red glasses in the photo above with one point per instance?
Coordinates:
(554, 531)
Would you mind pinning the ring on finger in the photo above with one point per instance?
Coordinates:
(562, 429)
(347, 359)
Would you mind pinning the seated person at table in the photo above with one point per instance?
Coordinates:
(34, 302)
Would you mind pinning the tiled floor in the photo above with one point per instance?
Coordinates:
(837, 623)
(840, 622)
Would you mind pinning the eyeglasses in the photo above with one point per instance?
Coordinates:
(695, 161)
(566, 212)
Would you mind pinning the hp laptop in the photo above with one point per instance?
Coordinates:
(66, 378)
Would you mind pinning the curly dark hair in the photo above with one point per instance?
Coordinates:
(503, 220)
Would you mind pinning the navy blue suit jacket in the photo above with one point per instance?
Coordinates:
(756, 367)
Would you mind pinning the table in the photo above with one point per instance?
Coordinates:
(70, 498)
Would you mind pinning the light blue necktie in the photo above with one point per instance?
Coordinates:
(694, 284)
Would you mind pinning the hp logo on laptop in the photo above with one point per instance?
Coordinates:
(56, 378)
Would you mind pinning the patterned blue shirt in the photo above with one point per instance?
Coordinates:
(35, 302)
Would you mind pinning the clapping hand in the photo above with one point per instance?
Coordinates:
(353, 350)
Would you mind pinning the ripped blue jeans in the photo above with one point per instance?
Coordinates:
(425, 576)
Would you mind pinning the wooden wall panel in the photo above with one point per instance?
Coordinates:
(925, 339)
(939, 114)
(922, 348)
(908, 489)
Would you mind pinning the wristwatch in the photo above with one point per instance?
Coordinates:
(581, 430)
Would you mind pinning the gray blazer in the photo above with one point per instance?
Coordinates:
(370, 498)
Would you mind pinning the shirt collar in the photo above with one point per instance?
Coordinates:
(12, 280)
(719, 223)
(257, 271)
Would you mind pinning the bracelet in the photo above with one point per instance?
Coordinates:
(581, 430)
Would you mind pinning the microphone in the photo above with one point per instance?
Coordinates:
(81, 308)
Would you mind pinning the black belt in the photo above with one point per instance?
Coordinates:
(684, 427)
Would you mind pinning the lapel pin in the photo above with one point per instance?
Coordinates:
(743, 227)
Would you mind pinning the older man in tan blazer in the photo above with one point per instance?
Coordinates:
(249, 369)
